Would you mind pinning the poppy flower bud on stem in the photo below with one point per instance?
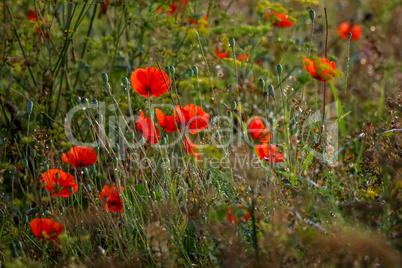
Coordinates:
(57, 176)
(266, 96)
(279, 69)
(167, 70)
(92, 168)
(48, 213)
(32, 153)
(131, 136)
(46, 166)
(77, 100)
(85, 101)
(261, 83)
(105, 198)
(85, 171)
(95, 102)
(71, 189)
(115, 161)
(172, 70)
(233, 105)
(349, 35)
(99, 117)
(24, 163)
(116, 148)
(190, 73)
(96, 150)
(125, 82)
(107, 86)
(105, 78)
(232, 42)
(311, 14)
(271, 91)
(29, 107)
(195, 70)
(89, 188)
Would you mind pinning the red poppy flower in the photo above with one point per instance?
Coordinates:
(221, 55)
(80, 156)
(103, 8)
(238, 214)
(258, 131)
(112, 194)
(59, 186)
(46, 228)
(32, 16)
(148, 129)
(243, 57)
(191, 116)
(194, 21)
(191, 148)
(320, 68)
(280, 20)
(269, 153)
(345, 28)
(149, 81)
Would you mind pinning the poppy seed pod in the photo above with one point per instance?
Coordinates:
(24, 163)
(232, 42)
(29, 107)
(105, 78)
(271, 91)
(261, 83)
(279, 69)
(77, 100)
(195, 70)
(311, 14)
(233, 105)
(172, 70)
(99, 117)
(190, 73)
(125, 82)
(349, 35)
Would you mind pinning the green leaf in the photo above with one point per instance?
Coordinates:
(141, 190)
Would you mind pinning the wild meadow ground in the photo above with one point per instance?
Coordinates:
(237, 133)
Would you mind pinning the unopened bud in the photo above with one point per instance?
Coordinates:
(266, 96)
(71, 189)
(105, 78)
(172, 70)
(233, 105)
(96, 150)
(279, 69)
(167, 70)
(29, 107)
(85, 101)
(115, 161)
(311, 14)
(57, 176)
(261, 83)
(46, 166)
(92, 168)
(86, 172)
(125, 82)
(190, 73)
(89, 188)
(271, 91)
(99, 117)
(95, 103)
(195, 70)
(77, 100)
(32, 153)
(349, 35)
(131, 136)
(232, 42)
(24, 163)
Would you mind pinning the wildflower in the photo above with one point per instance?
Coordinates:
(280, 20)
(149, 81)
(113, 200)
(269, 153)
(202, 19)
(258, 131)
(346, 28)
(103, 8)
(173, 7)
(321, 68)
(372, 194)
(238, 214)
(243, 57)
(58, 182)
(80, 156)
(191, 148)
(191, 116)
(46, 229)
(33, 18)
(148, 129)
(221, 55)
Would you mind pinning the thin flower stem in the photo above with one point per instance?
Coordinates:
(325, 83)
(347, 65)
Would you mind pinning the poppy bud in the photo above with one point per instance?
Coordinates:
(57, 176)
(32, 153)
(167, 70)
(153, 195)
(271, 91)
(89, 188)
(16, 219)
(125, 82)
(92, 168)
(233, 105)
(32, 211)
(195, 70)
(48, 143)
(19, 245)
(115, 161)
(44, 183)
(48, 213)
(105, 78)
(141, 141)
(172, 70)
(107, 86)
(29, 107)
(311, 14)
(229, 113)
(96, 150)
(95, 103)
(105, 198)
(266, 96)
(87, 122)
(46, 166)
(71, 189)
(279, 69)
(164, 140)
(99, 117)
(131, 136)
(349, 35)
(24, 162)
(77, 100)
(261, 83)
(86, 173)
(232, 42)
(190, 73)
(85, 101)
